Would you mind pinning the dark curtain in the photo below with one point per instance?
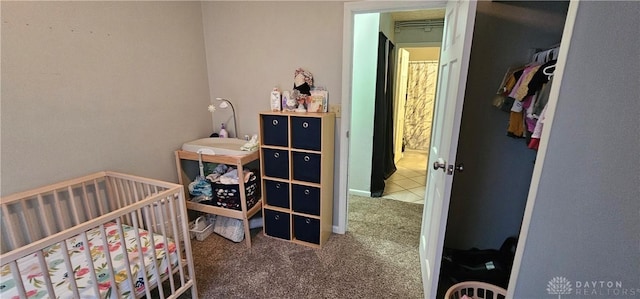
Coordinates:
(382, 164)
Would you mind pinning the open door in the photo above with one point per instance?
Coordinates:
(400, 102)
(452, 79)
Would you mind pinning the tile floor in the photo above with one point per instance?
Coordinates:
(408, 182)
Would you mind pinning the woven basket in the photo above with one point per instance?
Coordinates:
(228, 196)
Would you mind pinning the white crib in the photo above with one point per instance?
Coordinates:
(121, 236)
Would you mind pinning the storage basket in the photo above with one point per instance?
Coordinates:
(228, 196)
(201, 229)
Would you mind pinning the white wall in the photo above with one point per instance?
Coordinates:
(254, 46)
(426, 53)
(91, 86)
(418, 35)
(387, 25)
(585, 225)
(363, 90)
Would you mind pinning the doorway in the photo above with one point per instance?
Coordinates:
(483, 117)
(416, 77)
(417, 56)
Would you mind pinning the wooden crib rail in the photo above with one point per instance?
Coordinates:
(29, 216)
(33, 220)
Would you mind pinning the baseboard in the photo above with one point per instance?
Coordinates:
(360, 193)
(337, 230)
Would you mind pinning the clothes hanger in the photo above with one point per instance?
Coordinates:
(549, 71)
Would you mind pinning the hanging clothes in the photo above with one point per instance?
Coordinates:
(516, 127)
(543, 98)
(524, 93)
(539, 78)
(537, 132)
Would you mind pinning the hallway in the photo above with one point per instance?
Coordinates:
(408, 182)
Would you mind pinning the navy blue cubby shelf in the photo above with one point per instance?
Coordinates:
(297, 157)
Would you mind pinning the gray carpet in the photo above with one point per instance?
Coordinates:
(376, 258)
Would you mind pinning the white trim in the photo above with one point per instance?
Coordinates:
(336, 230)
(542, 149)
(360, 193)
(350, 9)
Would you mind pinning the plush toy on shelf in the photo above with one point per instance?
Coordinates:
(302, 84)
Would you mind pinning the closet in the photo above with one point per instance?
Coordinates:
(488, 198)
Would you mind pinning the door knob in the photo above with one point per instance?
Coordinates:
(440, 164)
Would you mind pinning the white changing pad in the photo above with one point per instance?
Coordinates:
(217, 146)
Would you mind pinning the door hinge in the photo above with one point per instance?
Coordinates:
(450, 168)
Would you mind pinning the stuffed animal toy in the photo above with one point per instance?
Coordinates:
(302, 83)
(289, 101)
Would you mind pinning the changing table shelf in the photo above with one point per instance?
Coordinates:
(238, 161)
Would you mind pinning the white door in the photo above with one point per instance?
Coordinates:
(452, 79)
(400, 101)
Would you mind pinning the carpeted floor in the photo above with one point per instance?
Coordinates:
(376, 258)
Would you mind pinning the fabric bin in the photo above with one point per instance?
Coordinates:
(228, 196)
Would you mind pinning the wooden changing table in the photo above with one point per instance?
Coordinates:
(238, 162)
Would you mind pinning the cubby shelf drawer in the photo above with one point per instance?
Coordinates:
(306, 167)
(306, 133)
(306, 229)
(276, 193)
(277, 224)
(276, 163)
(275, 130)
(305, 199)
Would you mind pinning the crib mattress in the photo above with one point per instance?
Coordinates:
(34, 282)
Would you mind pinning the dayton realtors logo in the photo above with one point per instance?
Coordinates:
(560, 285)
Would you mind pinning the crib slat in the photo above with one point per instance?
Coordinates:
(179, 199)
(92, 269)
(127, 193)
(70, 275)
(111, 194)
(134, 199)
(174, 220)
(12, 228)
(125, 253)
(17, 277)
(107, 254)
(87, 211)
(45, 274)
(46, 224)
(74, 208)
(147, 192)
(125, 201)
(149, 209)
(27, 222)
(136, 231)
(161, 214)
(56, 198)
(120, 201)
(98, 197)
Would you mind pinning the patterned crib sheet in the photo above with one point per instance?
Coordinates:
(35, 286)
